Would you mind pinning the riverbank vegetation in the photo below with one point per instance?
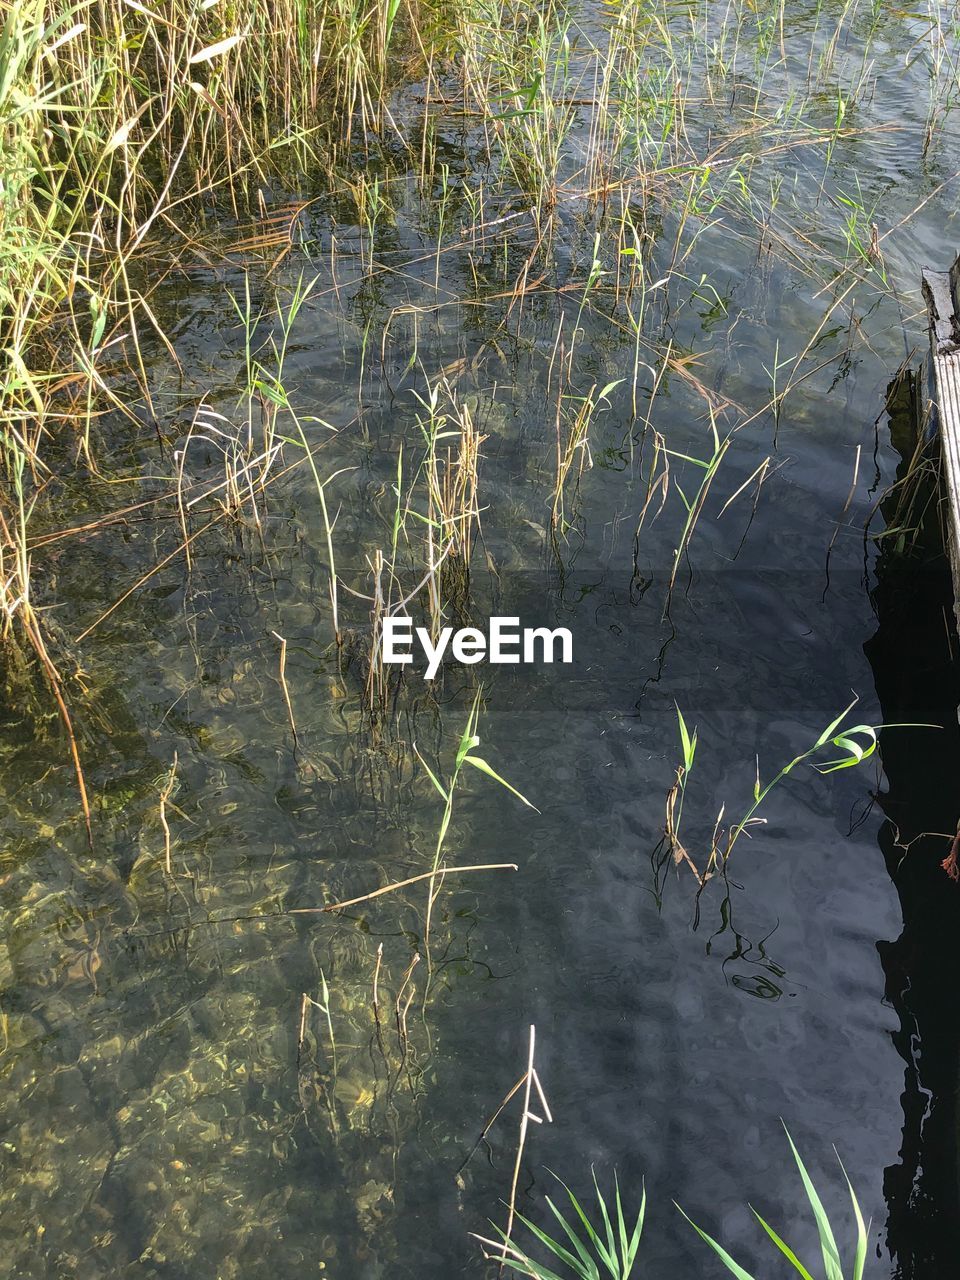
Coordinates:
(141, 145)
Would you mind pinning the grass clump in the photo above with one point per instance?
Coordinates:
(608, 1246)
(122, 124)
(833, 1268)
(611, 1242)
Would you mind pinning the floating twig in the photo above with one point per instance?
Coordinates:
(401, 884)
(286, 691)
(164, 797)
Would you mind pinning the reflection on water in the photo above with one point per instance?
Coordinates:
(913, 657)
(172, 1105)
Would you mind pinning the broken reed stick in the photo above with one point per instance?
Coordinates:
(531, 1078)
(304, 1004)
(376, 980)
(846, 505)
(164, 797)
(286, 691)
(489, 1125)
(528, 1079)
(400, 884)
(378, 1025)
(333, 906)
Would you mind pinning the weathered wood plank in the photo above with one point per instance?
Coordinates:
(940, 289)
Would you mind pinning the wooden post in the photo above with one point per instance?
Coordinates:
(940, 289)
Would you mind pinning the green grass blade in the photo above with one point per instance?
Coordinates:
(585, 1267)
(482, 765)
(610, 1254)
(467, 743)
(782, 1246)
(430, 774)
(831, 729)
(621, 1224)
(634, 1243)
(578, 1209)
(721, 1253)
(861, 1255)
(469, 739)
(689, 744)
(828, 1245)
(590, 1268)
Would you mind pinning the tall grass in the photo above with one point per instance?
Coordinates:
(122, 122)
(117, 120)
(855, 743)
(128, 127)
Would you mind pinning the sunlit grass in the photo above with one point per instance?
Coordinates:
(131, 129)
(833, 1268)
(609, 1240)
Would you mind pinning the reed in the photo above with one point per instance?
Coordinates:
(610, 1241)
(119, 121)
(609, 1244)
(855, 743)
(465, 754)
(832, 1265)
(133, 133)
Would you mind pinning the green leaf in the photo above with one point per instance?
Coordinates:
(589, 1269)
(585, 1267)
(721, 1253)
(689, 744)
(857, 753)
(482, 765)
(782, 1246)
(469, 739)
(621, 1224)
(587, 1224)
(629, 1252)
(431, 775)
(99, 324)
(832, 727)
(861, 1255)
(609, 1254)
(828, 1245)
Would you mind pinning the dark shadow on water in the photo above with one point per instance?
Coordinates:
(917, 680)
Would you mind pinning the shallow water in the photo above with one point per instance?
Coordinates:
(161, 1113)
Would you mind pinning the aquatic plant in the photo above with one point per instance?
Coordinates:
(833, 1268)
(610, 1241)
(694, 504)
(856, 743)
(469, 741)
(122, 124)
(613, 1243)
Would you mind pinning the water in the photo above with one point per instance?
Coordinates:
(161, 1114)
